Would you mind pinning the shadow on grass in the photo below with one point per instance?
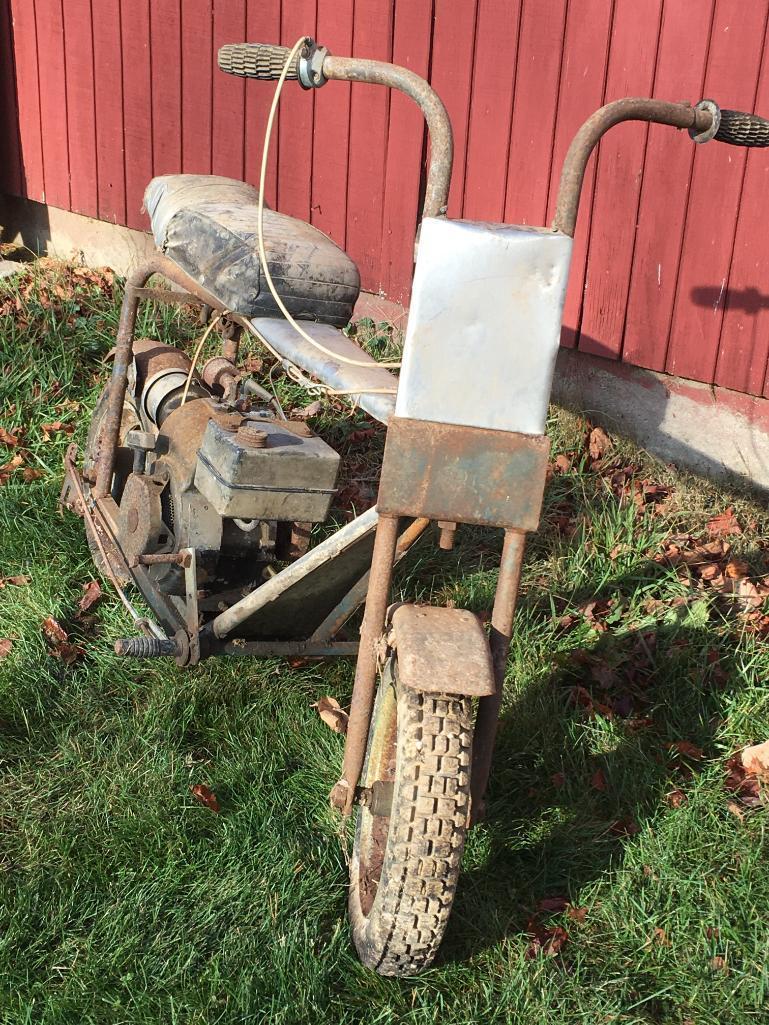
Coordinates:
(560, 815)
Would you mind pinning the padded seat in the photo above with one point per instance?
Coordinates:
(208, 226)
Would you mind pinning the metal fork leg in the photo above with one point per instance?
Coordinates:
(501, 632)
(343, 794)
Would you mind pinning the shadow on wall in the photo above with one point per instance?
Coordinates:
(25, 229)
(749, 300)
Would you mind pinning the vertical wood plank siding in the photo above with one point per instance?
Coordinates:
(671, 255)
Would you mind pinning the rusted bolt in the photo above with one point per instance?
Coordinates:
(230, 421)
(252, 435)
(161, 558)
(446, 540)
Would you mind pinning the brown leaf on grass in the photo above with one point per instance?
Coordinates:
(660, 937)
(553, 905)
(206, 796)
(58, 641)
(581, 696)
(576, 914)
(9, 438)
(331, 714)
(558, 779)
(712, 932)
(624, 827)
(18, 581)
(736, 568)
(545, 942)
(55, 428)
(8, 468)
(755, 759)
(598, 443)
(54, 632)
(718, 964)
(91, 594)
(598, 780)
(305, 412)
(562, 464)
(676, 798)
(749, 595)
(5, 647)
(29, 474)
(687, 749)
(741, 783)
(724, 523)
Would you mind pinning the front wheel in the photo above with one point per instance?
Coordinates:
(411, 832)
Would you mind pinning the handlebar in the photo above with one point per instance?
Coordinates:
(740, 129)
(315, 66)
(257, 60)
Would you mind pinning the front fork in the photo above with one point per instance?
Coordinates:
(372, 637)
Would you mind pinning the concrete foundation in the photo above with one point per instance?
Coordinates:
(712, 431)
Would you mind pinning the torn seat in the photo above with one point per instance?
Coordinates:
(208, 226)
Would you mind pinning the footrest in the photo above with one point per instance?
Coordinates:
(372, 387)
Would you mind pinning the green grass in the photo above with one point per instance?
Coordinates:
(123, 900)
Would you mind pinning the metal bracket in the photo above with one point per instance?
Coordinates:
(310, 66)
(191, 610)
(712, 108)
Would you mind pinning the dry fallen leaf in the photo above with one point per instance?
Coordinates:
(55, 428)
(687, 749)
(29, 474)
(547, 942)
(9, 467)
(599, 443)
(305, 412)
(5, 647)
(755, 759)
(660, 937)
(9, 438)
(736, 568)
(724, 523)
(91, 594)
(743, 784)
(55, 633)
(676, 798)
(206, 796)
(562, 464)
(576, 914)
(553, 905)
(598, 780)
(331, 714)
(16, 581)
(58, 640)
(718, 964)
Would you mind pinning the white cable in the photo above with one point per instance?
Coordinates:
(290, 60)
(198, 350)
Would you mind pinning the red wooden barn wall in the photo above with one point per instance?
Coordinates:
(96, 96)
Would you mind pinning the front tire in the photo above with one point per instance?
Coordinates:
(405, 865)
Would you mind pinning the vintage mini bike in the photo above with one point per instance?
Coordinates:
(197, 489)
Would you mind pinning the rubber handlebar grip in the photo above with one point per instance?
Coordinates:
(739, 129)
(256, 60)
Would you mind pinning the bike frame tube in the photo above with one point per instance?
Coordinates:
(133, 294)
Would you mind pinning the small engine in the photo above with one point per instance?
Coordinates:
(219, 471)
